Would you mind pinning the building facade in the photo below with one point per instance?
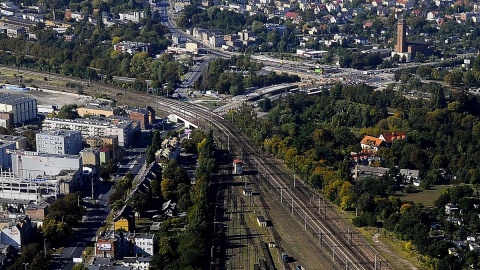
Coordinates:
(5, 158)
(20, 141)
(23, 109)
(59, 141)
(95, 110)
(17, 232)
(142, 116)
(91, 128)
(140, 244)
(29, 165)
(109, 245)
(101, 141)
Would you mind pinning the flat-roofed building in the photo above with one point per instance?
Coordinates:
(101, 141)
(90, 128)
(23, 109)
(131, 47)
(59, 141)
(28, 164)
(95, 110)
(20, 141)
(142, 243)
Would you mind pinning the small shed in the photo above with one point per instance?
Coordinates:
(261, 221)
(238, 166)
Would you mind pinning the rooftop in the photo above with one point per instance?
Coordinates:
(13, 99)
(11, 138)
(59, 132)
(140, 235)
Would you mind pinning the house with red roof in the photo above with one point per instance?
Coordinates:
(389, 137)
(291, 15)
(371, 144)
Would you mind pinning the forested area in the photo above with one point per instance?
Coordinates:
(316, 134)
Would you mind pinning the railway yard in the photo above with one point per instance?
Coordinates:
(320, 236)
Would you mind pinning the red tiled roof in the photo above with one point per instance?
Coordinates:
(291, 14)
(392, 136)
(369, 140)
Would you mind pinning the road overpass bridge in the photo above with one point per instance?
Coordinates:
(179, 119)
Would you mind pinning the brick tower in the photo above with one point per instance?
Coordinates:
(401, 47)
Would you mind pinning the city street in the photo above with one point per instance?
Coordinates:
(97, 209)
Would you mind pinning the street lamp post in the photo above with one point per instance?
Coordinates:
(25, 264)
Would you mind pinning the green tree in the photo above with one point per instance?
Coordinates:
(454, 78)
(138, 201)
(80, 266)
(30, 254)
(68, 111)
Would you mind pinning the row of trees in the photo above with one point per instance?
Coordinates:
(186, 249)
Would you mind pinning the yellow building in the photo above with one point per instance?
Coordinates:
(95, 110)
(102, 141)
(124, 219)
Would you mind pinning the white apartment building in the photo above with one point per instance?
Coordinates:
(59, 141)
(89, 128)
(143, 243)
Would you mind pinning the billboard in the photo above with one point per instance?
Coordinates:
(104, 246)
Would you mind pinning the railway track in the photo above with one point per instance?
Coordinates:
(348, 251)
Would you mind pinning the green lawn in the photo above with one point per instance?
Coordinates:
(426, 197)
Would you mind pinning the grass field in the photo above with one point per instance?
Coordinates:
(425, 197)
